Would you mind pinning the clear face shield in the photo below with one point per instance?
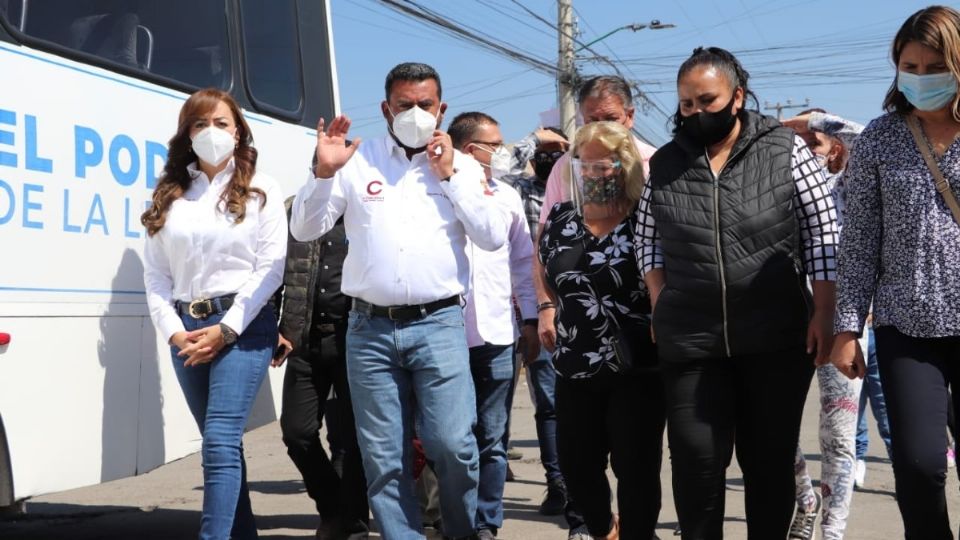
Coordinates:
(598, 187)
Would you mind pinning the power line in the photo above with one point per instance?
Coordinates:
(420, 12)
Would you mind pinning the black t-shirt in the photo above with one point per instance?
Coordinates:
(598, 289)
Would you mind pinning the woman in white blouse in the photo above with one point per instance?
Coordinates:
(214, 254)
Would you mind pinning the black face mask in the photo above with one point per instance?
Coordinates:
(710, 127)
(543, 167)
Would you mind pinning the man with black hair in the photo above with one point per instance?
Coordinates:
(491, 325)
(411, 203)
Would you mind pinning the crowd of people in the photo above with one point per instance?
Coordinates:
(695, 289)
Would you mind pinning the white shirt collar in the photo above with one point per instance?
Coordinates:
(196, 173)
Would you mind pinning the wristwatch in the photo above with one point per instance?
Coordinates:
(229, 336)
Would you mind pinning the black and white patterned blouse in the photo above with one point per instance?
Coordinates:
(901, 245)
(598, 289)
(814, 208)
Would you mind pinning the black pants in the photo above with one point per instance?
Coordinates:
(621, 416)
(306, 384)
(754, 403)
(916, 374)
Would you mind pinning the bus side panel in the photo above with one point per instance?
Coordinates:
(69, 410)
(166, 429)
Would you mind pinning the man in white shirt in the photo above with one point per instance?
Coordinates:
(410, 204)
(491, 324)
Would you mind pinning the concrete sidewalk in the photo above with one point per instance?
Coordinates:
(165, 503)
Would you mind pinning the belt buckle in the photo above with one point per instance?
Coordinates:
(192, 308)
(390, 313)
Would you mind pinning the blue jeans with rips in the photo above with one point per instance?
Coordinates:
(220, 395)
(399, 372)
(492, 368)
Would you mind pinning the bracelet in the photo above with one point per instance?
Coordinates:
(545, 305)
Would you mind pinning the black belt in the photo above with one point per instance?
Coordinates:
(404, 313)
(205, 307)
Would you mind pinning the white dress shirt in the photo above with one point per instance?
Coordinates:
(489, 315)
(202, 253)
(407, 229)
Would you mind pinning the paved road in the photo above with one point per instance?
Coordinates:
(164, 504)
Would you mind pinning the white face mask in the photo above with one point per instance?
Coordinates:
(499, 161)
(413, 127)
(213, 145)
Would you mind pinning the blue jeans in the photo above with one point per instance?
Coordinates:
(543, 380)
(220, 395)
(873, 391)
(398, 370)
(492, 369)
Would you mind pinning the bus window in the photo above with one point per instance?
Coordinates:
(270, 41)
(139, 35)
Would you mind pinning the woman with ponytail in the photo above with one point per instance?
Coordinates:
(734, 219)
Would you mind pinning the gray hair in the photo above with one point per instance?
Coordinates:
(606, 85)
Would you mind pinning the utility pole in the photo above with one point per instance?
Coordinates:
(779, 107)
(567, 78)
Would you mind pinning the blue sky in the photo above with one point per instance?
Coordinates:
(834, 52)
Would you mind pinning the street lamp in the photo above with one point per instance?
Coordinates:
(635, 27)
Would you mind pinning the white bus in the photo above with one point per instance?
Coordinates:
(89, 95)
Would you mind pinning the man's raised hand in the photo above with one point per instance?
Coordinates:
(332, 149)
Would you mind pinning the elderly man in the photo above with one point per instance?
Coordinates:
(411, 203)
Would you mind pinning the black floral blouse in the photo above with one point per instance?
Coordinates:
(598, 289)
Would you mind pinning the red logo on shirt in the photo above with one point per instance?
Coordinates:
(374, 191)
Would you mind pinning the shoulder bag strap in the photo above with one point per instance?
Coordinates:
(942, 186)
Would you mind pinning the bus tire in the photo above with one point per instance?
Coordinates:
(6, 473)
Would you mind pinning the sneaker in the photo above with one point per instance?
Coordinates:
(951, 458)
(804, 522)
(486, 534)
(513, 454)
(860, 475)
(555, 501)
(579, 533)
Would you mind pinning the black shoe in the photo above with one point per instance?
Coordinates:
(555, 501)
(330, 529)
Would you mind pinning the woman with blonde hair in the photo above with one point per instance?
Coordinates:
(609, 395)
(900, 249)
(214, 256)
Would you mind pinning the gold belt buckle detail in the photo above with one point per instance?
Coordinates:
(192, 308)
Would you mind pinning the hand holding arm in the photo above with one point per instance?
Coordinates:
(847, 356)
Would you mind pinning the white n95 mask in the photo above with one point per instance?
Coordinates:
(213, 145)
(413, 127)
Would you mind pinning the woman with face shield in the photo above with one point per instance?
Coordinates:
(734, 219)
(609, 395)
(213, 258)
(901, 251)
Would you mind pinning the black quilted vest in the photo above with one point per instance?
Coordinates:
(734, 281)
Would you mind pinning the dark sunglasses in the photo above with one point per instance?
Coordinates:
(548, 156)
